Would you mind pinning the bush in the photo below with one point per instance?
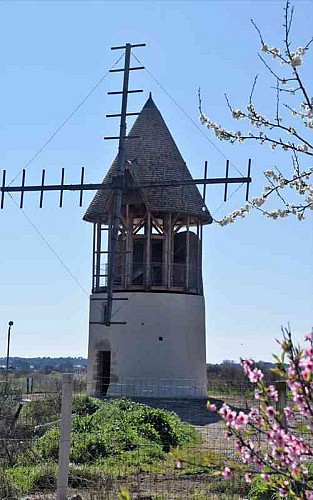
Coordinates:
(85, 405)
(32, 479)
(7, 490)
(42, 411)
(47, 446)
(114, 428)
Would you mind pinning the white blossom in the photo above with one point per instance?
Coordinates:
(300, 51)
(303, 148)
(274, 51)
(295, 61)
(275, 132)
(238, 114)
(258, 201)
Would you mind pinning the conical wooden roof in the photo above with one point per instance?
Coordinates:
(153, 157)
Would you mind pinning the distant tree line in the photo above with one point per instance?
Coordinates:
(228, 376)
(45, 363)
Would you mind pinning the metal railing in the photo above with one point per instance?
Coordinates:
(154, 274)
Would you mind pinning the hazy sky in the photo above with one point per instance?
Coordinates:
(257, 272)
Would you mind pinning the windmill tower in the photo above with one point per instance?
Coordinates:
(155, 344)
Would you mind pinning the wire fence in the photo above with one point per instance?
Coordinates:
(144, 448)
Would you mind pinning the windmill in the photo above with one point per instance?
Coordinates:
(147, 324)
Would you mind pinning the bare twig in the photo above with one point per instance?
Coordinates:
(259, 31)
(228, 103)
(277, 103)
(287, 25)
(271, 71)
(308, 44)
(199, 101)
(253, 88)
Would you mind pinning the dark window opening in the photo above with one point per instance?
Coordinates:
(156, 262)
(179, 264)
(138, 261)
(103, 371)
(119, 272)
(160, 338)
(180, 261)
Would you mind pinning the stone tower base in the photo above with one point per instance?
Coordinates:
(159, 353)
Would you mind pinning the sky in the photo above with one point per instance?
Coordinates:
(257, 272)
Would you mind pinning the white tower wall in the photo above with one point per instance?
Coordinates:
(160, 352)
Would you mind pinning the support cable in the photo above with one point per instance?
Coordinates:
(48, 244)
(62, 125)
(188, 116)
(197, 127)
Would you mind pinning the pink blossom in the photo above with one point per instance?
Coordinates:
(288, 413)
(258, 394)
(308, 351)
(255, 375)
(286, 452)
(283, 492)
(265, 476)
(298, 398)
(247, 365)
(246, 454)
(270, 412)
(224, 410)
(241, 420)
(211, 407)
(227, 473)
(248, 477)
(272, 392)
(231, 416)
(291, 371)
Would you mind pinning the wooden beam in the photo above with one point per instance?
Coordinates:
(148, 250)
(187, 255)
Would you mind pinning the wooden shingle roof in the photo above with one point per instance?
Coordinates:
(152, 157)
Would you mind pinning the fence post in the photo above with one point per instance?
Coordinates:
(65, 436)
(281, 388)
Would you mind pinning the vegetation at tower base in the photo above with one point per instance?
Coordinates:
(115, 444)
(106, 435)
(275, 437)
(116, 428)
(289, 129)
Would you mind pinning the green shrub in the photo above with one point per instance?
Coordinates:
(32, 479)
(42, 411)
(85, 405)
(47, 446)
(114, 428)
(153, 424)
(7, 490)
